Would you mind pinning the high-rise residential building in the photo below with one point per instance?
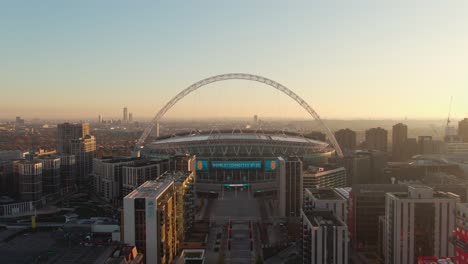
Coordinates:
(50, 174)
(346, 139)
(366, 204)
(425, 145)
(125, 115)
(290, 187)
(332, 199)
(107, 177)
(418, 222)
(66, 132)
(29, 173)
(329, 175)
(463, 130)
(325, 238)
(149, 220)
(410, 149)
(460, 238)
(377, 139)
(84, 150)
(399, 138)
(68, 170)
(135, 174)
(184, 184)
(365, 167)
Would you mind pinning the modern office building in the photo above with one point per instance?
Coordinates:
(346, 139)
(84, 150)
(330, 176)
(463, 130)
(290, 187)
(399, 138)
(325, 238)
(66, 132)
(29, 173)
(427, 220)
(366, 204)
(149, 220)
(50, 174)
(68, 170)
(377, 139)
(332, 199)
(130, 117)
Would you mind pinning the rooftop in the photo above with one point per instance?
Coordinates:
(325, 194)
(238, 135)
(150, 189)
(318, 217)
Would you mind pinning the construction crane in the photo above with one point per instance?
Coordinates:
(450, 111)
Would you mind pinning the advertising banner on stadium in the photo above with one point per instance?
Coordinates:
(202, 164)
(236, 164)
(271, 165)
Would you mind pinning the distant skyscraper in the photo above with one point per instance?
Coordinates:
(130, 117)
(100, 119)
(463, 130)
(346, 139)
(66, 132)
(125, 115)
(399, 138)
(418, 223)
(376, 139)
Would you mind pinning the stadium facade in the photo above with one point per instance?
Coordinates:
(243, 159)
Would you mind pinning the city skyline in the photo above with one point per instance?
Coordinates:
(398, 59)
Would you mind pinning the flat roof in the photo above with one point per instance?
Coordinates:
(323, 218)
(149, 189)
(325, 194)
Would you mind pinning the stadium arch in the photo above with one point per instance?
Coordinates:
(237, 76)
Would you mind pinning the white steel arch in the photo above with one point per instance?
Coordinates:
(237, 76)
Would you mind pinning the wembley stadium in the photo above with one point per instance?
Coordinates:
(240, 158)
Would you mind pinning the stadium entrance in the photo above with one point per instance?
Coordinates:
(234, 189)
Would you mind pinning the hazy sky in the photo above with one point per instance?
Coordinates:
(348, 59)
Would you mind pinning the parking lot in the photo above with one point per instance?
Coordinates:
(44, 247)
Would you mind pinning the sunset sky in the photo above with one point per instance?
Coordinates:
(347, 59)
